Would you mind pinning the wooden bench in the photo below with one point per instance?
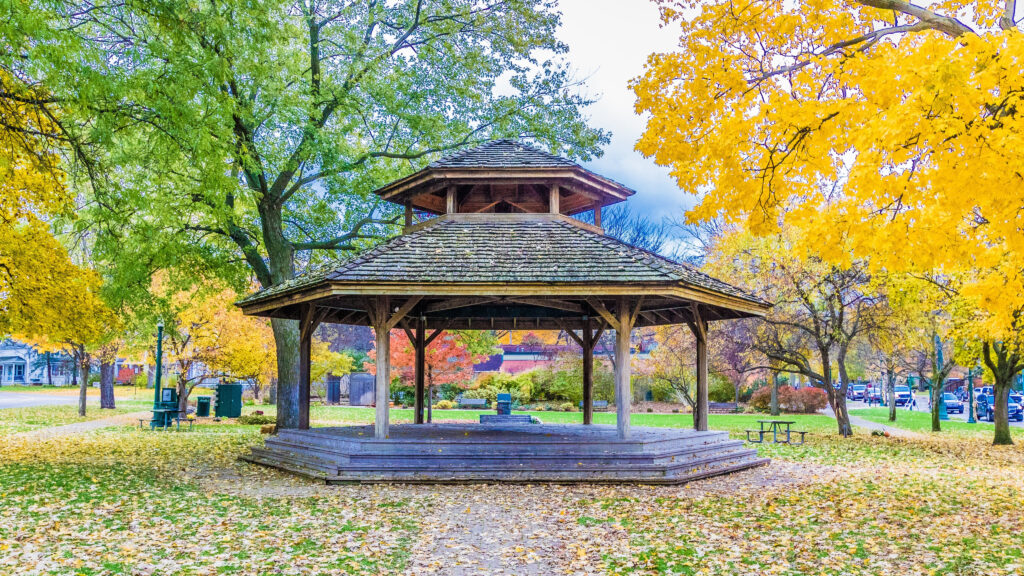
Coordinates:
(472, 403)
(723, 407)
(599, 405)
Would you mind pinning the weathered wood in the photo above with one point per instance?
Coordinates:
(553, 199)
(587, 343)
(506, 453)
(699, 328)
(420, 345)
(599, 307)
(306, 328)
(597, 216)
(397, 316)
(382, 383)
(451, 205)
(623, 369)
(408, 213)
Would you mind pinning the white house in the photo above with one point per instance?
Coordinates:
(22, 364)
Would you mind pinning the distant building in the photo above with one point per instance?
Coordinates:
(22, 364)
(517, 358)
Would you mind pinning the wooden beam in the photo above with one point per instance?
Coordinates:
(408, 213)
(597, 216)
(437, 332)
(306, 328)
(587, 343)
(382, 382)
(451, 201)
(553, 199)
(547, 303)
(409, 305)
(576, 338)
(699, 328)
(623, 369)
(636, 311)
(458, 303)
(419, 370)
(600, 309)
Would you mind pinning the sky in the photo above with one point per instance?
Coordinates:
(609, 41)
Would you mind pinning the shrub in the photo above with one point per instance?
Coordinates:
(803, 401)
(256, 419)
(567, 407)
(720, 389)
(444, 405)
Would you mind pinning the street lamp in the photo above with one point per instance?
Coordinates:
(159, 364)
(970, 395)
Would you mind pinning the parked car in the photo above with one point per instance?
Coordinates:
(856, 392)
(986, 407)
(874, 393)
(953, 404)
(903, 395)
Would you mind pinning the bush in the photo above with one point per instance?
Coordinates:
(256, 419)
(444, 405)
(720, 389)
(567, 407)
(803, 401)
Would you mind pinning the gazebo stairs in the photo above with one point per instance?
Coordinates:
(529, 453)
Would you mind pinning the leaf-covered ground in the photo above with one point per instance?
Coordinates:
(124, 501)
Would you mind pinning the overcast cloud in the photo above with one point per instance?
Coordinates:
(609, 41)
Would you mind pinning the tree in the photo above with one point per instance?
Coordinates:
(913, 110)
(674, 361)
(448, 360)
(282, 116)
(819, 309)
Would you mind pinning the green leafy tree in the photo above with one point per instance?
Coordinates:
(245, 138)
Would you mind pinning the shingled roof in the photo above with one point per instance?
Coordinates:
(502, 154)
(471, 250)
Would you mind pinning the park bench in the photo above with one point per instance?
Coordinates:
(777, 428)
(472, 403)
(177, 420)
(599, 405)
(723, 407)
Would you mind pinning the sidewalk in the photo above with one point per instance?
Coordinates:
(78, 427)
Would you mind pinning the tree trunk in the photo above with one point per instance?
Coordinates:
(838, 396)
(83, 384)
(1004, 366)
(49, 369)
(775, 394)
(183, 392)
(935, 388)
(107, 385)
(890, 389)
(286, 338)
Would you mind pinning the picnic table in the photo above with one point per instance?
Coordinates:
(172, 415)
(776, 428)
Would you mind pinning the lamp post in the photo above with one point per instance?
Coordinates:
(939, 388)
(970, 396)
(159, 363)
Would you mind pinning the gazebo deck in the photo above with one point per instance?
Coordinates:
(469, 452)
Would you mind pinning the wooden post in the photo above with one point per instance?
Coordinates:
(597, 216)
(588, 373)
(420, 369)
(451, 201)
(306, 328)
(554, 200)
(700, 333)
(408, 213)
(623, 370)
(383, 380)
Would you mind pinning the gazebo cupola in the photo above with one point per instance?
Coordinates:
(504, 177)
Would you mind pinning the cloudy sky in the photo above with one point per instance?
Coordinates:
(609, 41)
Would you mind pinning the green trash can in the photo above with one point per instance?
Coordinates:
(202, 406)
(229, 401)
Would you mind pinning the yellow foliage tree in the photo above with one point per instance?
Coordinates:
(888, 130)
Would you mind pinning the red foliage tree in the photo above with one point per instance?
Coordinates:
(447, 361)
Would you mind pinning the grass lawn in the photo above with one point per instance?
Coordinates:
(28, 418)
(125, 501)
(922, 422)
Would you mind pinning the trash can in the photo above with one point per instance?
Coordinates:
(361, 389)
(202, 406)
(334, 390)
(229, 401)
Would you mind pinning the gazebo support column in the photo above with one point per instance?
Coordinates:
(699, 327)
(420, 345)
(309, 319)
(587, 339)
(623, 370)
(383, 321)
(588, 373)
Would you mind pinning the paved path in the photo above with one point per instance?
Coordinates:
(25, 399)
(79, 427)
(892, 430)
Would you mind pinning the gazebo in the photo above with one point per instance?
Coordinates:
(500, 248)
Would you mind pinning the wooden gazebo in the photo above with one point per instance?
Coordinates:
(501, 249)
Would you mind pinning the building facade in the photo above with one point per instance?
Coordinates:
(21, 364)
